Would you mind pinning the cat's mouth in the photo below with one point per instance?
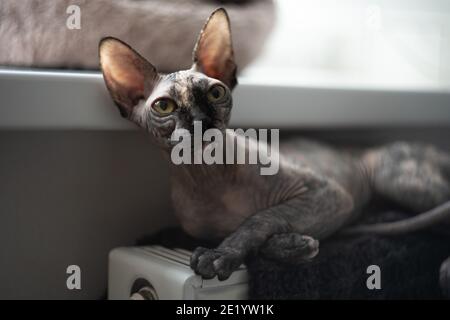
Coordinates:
(195, 140)
(192, 145)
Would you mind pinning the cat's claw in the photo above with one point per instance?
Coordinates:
(220, 262)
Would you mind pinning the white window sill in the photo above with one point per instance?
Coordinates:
(74, 100)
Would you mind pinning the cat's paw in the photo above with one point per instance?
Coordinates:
(220, 262)
(291, 248)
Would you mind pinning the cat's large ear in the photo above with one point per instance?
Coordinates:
(213, 53)
(128, 76)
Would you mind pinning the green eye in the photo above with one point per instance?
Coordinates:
(164, 106)
(215, 93)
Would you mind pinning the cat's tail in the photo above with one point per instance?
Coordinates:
(419, 222)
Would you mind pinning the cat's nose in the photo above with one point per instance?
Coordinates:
(205, 121)
(206, 124)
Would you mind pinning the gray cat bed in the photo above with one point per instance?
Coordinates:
(409, 266)
(33, 33)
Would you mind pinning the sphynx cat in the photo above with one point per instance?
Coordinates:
(317, 192)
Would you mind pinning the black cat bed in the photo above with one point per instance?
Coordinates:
(409, 270)
(409, 266)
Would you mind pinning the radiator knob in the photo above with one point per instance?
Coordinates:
(145, 293)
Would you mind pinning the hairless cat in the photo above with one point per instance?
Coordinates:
(317, 192)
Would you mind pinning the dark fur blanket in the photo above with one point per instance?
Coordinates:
(409, 270)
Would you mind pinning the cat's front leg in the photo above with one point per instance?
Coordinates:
(287, 248)
(230, 254)
(317, 212)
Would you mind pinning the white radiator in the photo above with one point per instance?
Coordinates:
(155, 272)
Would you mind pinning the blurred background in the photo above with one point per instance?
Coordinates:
(401, 44)
(396, 44)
